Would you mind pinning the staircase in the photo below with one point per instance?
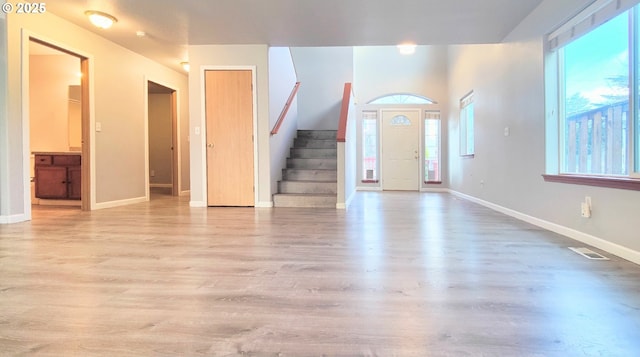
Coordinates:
(310, 179)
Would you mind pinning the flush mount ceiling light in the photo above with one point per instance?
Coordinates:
(185, 66)
(407, 48)
(100, 19)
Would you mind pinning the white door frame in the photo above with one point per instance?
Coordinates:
(379, 108)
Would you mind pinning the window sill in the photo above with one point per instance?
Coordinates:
(622, 183)
(433, 182)
(468, 156)
(369, 181)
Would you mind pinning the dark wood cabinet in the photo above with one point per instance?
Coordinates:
(58, 176)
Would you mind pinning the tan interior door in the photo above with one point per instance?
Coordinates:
(229, 117)
(401, 150)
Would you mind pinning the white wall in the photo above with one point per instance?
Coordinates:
(282, 79)
(323, 71)
(118, 78)
(383, 70)
(226, 56)
(506, 171)
(7, 205)
(349, 172)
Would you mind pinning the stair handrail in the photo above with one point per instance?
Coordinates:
(287, 105)
(341, 137)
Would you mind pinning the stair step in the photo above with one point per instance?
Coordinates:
(315, 143)
(306, 153)
(305, 200)
(312, 164)
(308, 187)
(309, 174)
(318, 134)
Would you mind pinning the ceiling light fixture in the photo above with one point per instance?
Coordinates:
(100, 19)
(185, 66)
(407, 48)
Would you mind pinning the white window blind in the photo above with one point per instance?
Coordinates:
(599, 12)
(370, 115)
(432, 114)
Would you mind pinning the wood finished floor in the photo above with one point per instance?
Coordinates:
(398, 274)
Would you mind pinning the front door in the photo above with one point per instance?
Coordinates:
(229, 118)
(401, 150)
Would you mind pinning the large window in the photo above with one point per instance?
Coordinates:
(595, 119)
(466, 125)
(598, 130)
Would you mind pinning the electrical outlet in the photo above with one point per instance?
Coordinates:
(153, 173)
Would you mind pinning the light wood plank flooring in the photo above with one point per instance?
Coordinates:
(398, 274)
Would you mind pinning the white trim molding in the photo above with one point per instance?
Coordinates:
(198, 204)
(16, 218)
(613, 248)
(119, 203)
(347, 203)
(264, 204)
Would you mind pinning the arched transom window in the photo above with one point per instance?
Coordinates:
(402, 99)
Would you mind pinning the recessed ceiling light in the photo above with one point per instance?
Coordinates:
(141, 33)
(407, 48)
(100, 19)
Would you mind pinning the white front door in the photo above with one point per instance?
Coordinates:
(401, 150)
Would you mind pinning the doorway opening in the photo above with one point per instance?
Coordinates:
(162, 141)
(58, 105)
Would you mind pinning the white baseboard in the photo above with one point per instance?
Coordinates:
(161, 185)
(368, 188)
(429, 189)
(197, 204)
(14, 218)
(264, 204)
(111, 204)
(613, 248)
(347, 203)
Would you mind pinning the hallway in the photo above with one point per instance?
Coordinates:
(398, 274)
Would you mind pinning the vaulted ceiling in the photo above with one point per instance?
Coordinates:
(170, 25)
